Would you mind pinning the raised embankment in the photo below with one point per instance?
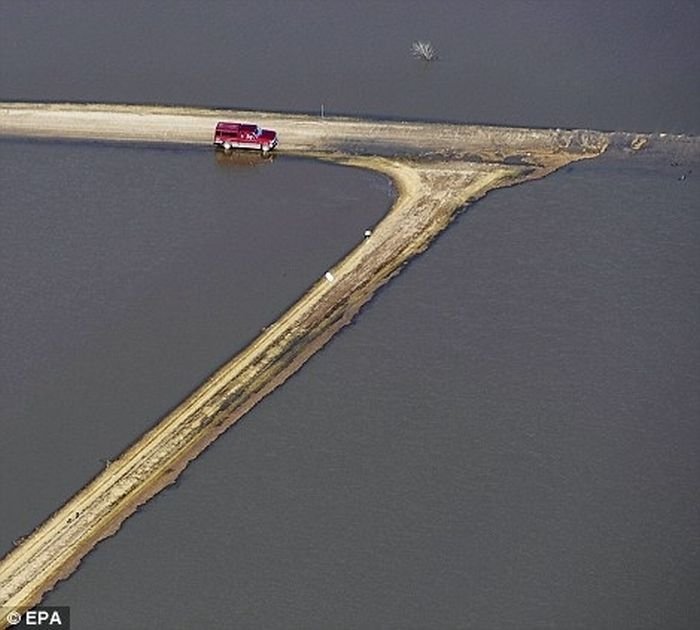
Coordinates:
(436, 168)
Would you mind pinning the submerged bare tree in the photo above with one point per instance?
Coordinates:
(424, 50)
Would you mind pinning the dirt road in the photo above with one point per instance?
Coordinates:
(297, 132)
(437, 169)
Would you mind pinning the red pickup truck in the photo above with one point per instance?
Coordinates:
(232, 135)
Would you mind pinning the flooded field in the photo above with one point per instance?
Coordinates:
(506, 437)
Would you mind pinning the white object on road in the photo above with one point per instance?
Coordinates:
(329, 276)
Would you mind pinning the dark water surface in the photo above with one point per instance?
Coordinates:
(507, 436)
(128, 275)
(628, 64)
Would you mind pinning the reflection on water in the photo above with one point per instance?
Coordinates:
(243, 159)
